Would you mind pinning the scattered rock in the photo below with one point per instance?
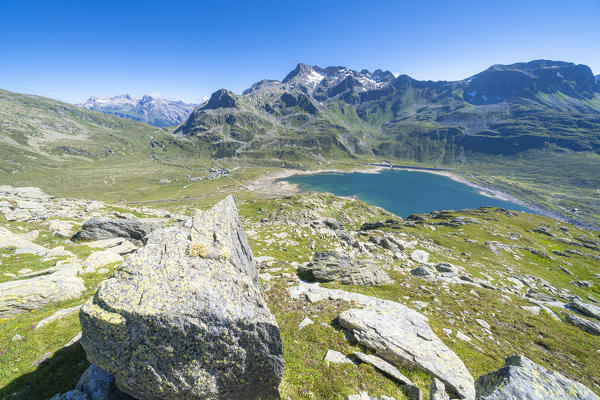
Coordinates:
(17, 338)
(412, 392)
(60, 228)
(98, 384)
(462, 336)
(305, 322)
(587, 309)
(57, 252)
(483, 323)
(135, 230)
(543, 230)
(521, 378)
(337, 358)
(399, 334)
(100, 259)
(437, 390)
(30, 294)
(383, 366)
(331, 266)
(421, 271)
(587, 325)
(420, 256)
(540, 296)
(583, 284)
(187, 307)
(21, 243)
(446, 267)
(57, 315)
(496, 247)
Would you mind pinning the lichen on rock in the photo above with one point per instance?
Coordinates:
(184, 317)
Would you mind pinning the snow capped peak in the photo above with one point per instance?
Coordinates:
(151, 108)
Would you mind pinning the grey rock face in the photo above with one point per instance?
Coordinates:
(399, 334)
(420, 256)
(135, 230)
(413, 392)
(331, 266)
(94, 384)
(98, 384)
(21, 243)
(383, 366)
(184, 316)
(70, 395)
(588, 309)
(521, 378)
(421, 271)
(336, 357)
(30, 294)
(437, 390)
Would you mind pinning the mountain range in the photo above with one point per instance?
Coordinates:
(506, 109)
(153, 110)
(529, 129)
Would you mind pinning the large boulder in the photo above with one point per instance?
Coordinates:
(30, 294)
(331, 266)
(135, 230)
(184, 317)
(21, 243)
(399, 334)
(521, 378)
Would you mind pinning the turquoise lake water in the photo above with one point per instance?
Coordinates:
(402, 192)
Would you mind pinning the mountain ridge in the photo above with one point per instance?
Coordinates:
(153, 110)
(372, 112)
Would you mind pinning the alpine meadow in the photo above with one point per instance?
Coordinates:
(173, 227)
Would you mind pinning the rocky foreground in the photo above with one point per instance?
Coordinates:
(303, 297)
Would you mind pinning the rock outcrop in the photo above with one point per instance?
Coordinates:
(135, 230)
(521, 378)
(184, 317)
(585, 324)
(30, 294)
(399, 334)
(32, 204)
(331, 266)
(587, 309)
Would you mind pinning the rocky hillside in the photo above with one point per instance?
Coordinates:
(339, 300)
(152, 110)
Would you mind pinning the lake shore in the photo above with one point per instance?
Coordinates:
(275, 184)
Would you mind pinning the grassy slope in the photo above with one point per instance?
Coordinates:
(556, 345)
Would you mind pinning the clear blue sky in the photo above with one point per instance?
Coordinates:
(70, 50)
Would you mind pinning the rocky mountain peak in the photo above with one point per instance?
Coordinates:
(221, 99)
(504, 82)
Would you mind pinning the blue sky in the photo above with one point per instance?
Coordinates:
(70, 50)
